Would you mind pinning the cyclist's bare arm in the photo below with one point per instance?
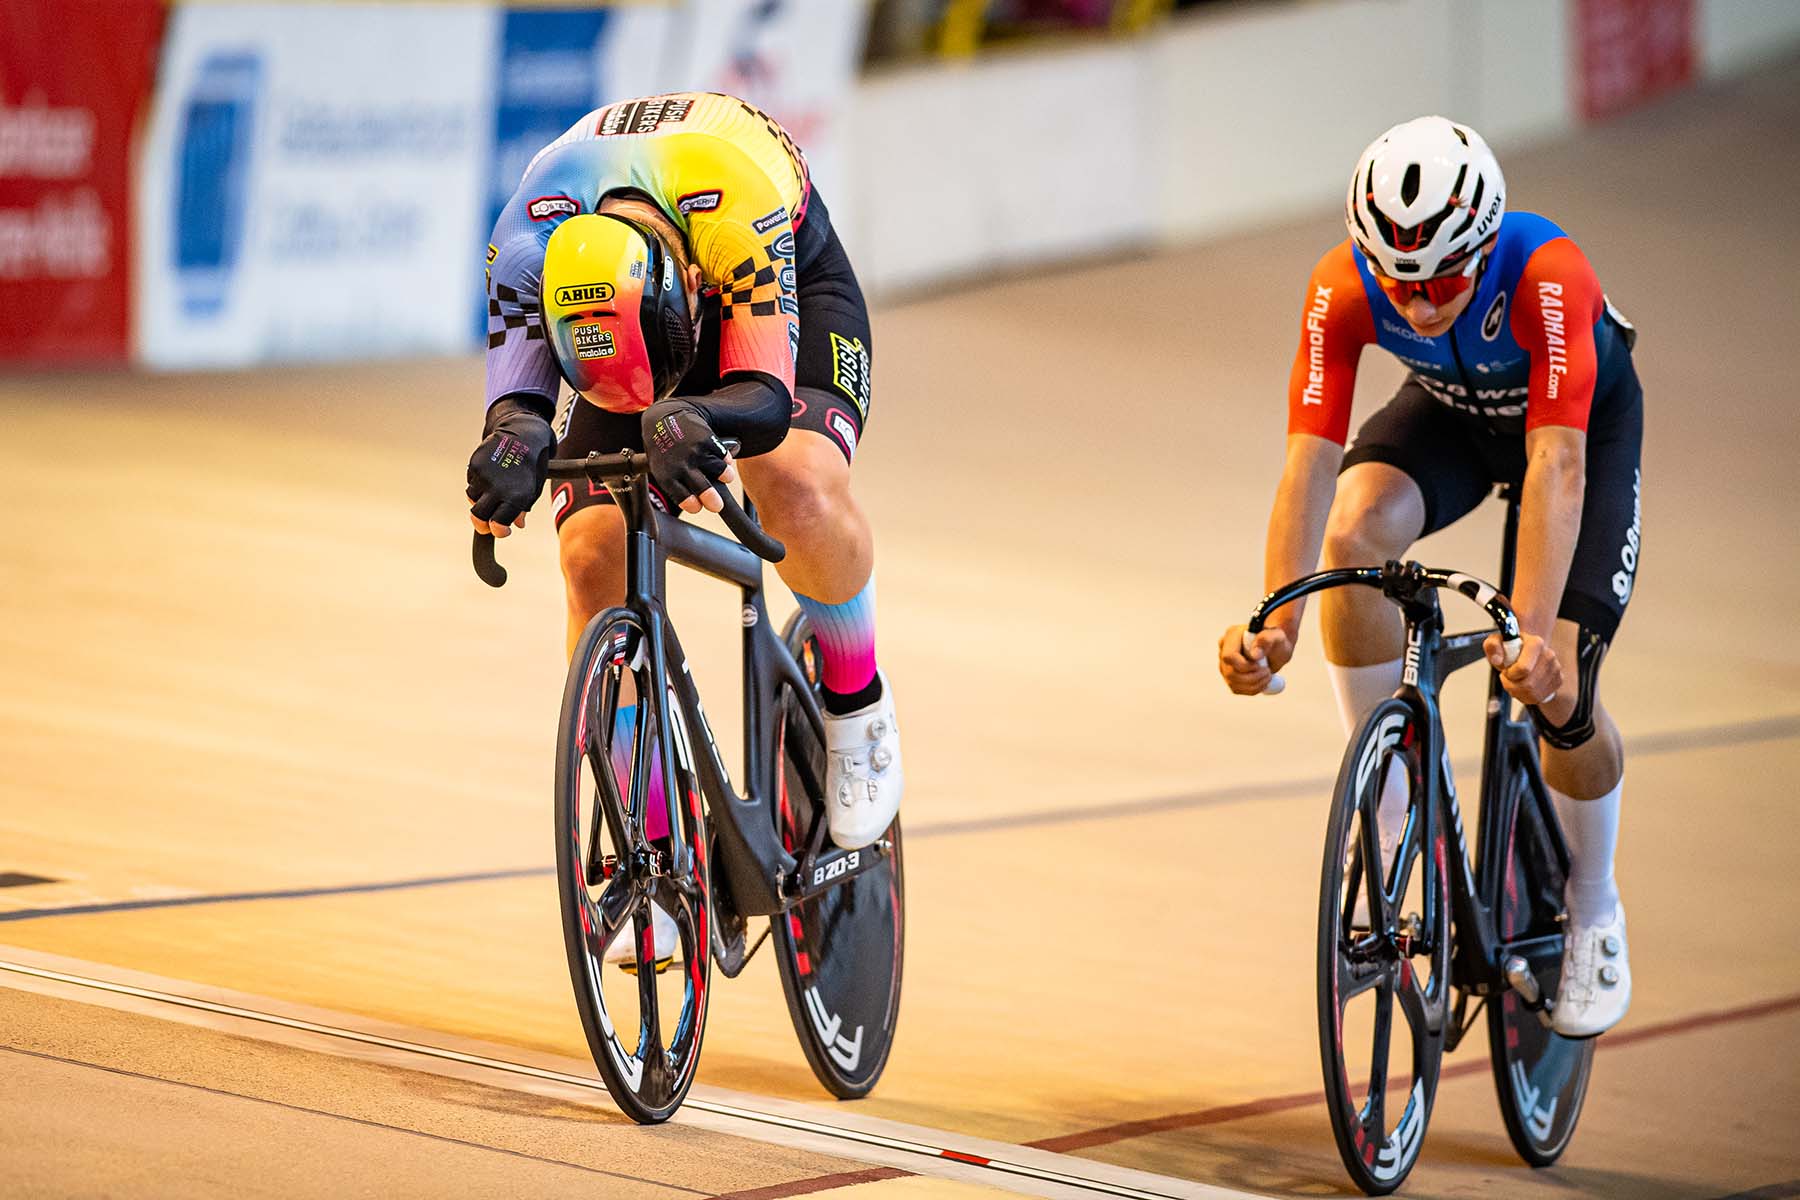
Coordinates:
(1296, 532)
(1560, 300)
(1335, 325)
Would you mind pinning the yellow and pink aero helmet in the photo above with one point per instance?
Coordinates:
(617, 311)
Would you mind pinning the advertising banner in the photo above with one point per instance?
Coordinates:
(1631, 50)
(73, 76)
(796, 60)
(312, 182)
(554, 67)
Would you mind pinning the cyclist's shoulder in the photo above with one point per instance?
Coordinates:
(1335, 293)
(1524, 234)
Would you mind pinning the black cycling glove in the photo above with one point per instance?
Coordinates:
(685, 457)
(506, 472)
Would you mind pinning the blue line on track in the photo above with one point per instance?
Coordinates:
(1707, 737)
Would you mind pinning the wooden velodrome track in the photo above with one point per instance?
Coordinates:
(244, 654)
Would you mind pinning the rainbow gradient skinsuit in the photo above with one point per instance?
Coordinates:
(726, 174)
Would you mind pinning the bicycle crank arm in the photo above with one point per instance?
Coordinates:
(833, 867)
(1518, 974)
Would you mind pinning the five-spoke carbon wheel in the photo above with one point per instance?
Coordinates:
(840, 953)
(644, 1017)
(1541, 1078)
(1384, 958)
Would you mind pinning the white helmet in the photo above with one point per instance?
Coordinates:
(1426, 194)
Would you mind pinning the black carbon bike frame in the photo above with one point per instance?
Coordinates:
(1482, 963)
(761, 877)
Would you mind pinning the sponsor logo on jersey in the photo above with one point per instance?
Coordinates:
(794, 342)
(788, 305)
(1316, 312)
(1406, 333)
(784, 246)
(695, 202)
(642, 116)
(591, 341)
(493, 252)
(771, 221)
(584, 293)
(1628, 553)
(850, 370)
(1556, 344)
(1495, 318)
(545, 207)
(787, 279)
(841, 426)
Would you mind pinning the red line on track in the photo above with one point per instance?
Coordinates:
(1126, 1130)
(821, 1183)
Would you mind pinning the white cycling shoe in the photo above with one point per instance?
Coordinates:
(1596, 978)
(863, 776)
(664, 936)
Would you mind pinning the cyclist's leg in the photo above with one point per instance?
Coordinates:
(1409, 473)
(802, 487)
(590, 536)
(802, 490)
(1583, 756)
(590, 532)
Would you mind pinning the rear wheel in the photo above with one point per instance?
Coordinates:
(840, 953)
(1384, 959)
(643, 1018)
(1541, 1078)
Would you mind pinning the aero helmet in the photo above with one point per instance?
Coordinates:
(617, 310)
(1425, 196)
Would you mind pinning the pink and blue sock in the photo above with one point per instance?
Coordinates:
(656, 818)
(846, 634)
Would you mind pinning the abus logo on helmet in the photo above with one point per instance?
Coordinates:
(545, 207)
(586, 293)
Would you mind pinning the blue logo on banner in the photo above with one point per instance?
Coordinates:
(549, 78)
(212, 175)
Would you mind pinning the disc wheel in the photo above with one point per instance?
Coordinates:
(840, 953)
(644, 1017)
(1384, 963)
(1541, 1077)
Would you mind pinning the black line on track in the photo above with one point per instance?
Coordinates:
(306, 893)
(1706, 737)
(319, 1112)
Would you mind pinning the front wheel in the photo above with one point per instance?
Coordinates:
(644, 1012)
(840, 953)
(1384, 948)
(1540, 1076)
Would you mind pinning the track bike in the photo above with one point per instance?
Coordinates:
(630, 709)
(1429, 934)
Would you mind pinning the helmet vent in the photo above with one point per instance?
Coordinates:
(1409, 184)
(1461, 134)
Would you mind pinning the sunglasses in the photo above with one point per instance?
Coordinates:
(1439, 290)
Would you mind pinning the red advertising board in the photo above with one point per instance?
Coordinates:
(1630, 50)
(73, 75)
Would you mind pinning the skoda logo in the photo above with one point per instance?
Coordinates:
(586, 293)
(1496, 316)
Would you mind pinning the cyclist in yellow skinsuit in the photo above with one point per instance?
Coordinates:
(669, 258)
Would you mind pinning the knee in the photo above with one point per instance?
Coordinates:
(1364, 534)
(592, 555)
(797, 493)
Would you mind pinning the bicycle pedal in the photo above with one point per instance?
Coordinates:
(630, 966)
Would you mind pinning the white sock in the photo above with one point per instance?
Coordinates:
(1591, 828)
(1358, 689)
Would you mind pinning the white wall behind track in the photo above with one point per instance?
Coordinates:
(1217, 121)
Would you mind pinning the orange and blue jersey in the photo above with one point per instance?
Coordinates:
(728, 176)
(1535, 346)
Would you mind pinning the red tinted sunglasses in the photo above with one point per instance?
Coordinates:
(1439, 290)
